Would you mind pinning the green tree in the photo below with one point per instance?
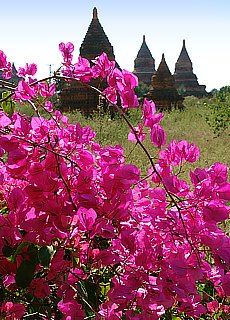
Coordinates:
(142, 89)
(219, 116)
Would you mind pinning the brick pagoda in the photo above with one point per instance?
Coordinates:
(74, 95)
(163, 90)
(186, 80)
(144, 64)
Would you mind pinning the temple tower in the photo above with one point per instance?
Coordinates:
(186, 80)
(74, 95)
(163, 90)
(96, 41)
(144, 64)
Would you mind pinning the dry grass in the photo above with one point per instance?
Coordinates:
(188, 124)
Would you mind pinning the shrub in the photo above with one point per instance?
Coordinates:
(83, 235)
(219, 106)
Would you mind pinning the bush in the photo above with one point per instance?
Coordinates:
(83, 235)
(219, 106)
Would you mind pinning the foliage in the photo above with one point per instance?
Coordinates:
(142, 89)
(83, 235)
(219, 116)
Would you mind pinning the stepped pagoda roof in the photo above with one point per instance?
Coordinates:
(96, 41)
(184, 62)
(163, 89)
(75, 96)
(186, 80)
(163, 76)
(144, 64)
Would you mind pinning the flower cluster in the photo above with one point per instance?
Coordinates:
(82, 235)
(5, 66)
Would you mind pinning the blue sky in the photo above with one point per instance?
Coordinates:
(31, 32)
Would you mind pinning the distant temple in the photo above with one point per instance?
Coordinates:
(144, 64)
(163, 89)
(74, 95)
(186, 80)
(163, 86)
(96, 41)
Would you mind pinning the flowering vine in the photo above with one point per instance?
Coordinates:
(82, 235)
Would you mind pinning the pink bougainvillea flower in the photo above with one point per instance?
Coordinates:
(148, 111)
(3, 61)
(128, 174)
(39, 288)
(218, 172)
(115, 79)
(178, 152)
(109, 311)
(48, 106)
(157, 135)
(111, 94)
(128, 98)
(139, 132)
(47, 90)
(4, 120)
(12, 310)
(71, 310)
(7, 72)
(5, 66)
(7, 267)
(82, 70)
(226, 283)
(163, 171)
(215, 211)
(224, 191)
(24, 91)
(130, 79)
(213, 306)
(86, 218)
(67, 50)
(102, 66)
(192, 306)
(29, 70)
(127, 93)
(104, 229)
(149, 115)
(124, 82)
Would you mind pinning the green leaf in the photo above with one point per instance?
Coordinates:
(19, 248)
(75, 261)
(32, 251)
(7, 105)
(45, 254)
(25, 274)
(104, 288)
(91, 289)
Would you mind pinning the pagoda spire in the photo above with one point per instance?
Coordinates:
(163, 90)
(96, 41)
(75, 96)
(144, 64)
(163, 76)
(186, 80)
(184, 62)
(95, 16)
